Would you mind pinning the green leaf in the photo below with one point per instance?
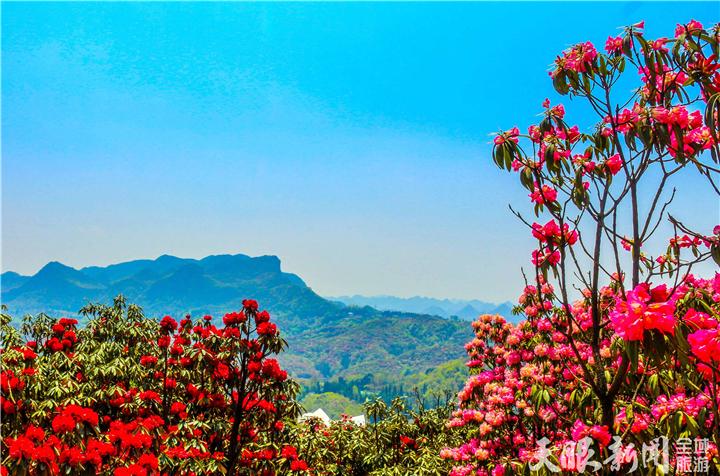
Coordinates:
(627, 45)
(715, 252)
(560, 83)
(633, 350)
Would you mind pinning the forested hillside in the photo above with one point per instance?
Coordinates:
(327, 340)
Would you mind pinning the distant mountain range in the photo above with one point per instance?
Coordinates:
(467, 310)
(166, 285)
(326, 338)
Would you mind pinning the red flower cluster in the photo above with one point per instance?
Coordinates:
(205, 397)
(290, 453)
(64, 337)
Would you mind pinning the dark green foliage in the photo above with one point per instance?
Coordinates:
(396, 441)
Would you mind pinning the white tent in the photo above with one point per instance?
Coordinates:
(319, 413)
(322, 416)
(359, 420)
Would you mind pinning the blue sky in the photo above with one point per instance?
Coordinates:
(349, 139)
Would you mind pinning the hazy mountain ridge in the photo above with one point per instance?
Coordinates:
(166, 285)
(464, 309)
(325, 338)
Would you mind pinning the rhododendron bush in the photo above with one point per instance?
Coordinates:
(128, 395)
(397, 441)
(620, 343)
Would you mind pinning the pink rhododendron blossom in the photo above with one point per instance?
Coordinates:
(577, 58)
(510, 135)
(614, 163)
(705, 344)
(613, 45)
(691, 28)
(544, 194)
(644, 309)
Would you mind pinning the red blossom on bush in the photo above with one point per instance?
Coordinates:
(155, 388)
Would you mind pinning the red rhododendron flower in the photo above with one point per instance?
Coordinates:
(178, 408)
(63, 424)
(262, 316)
(168, 324)
(148, 360)
(35, 433)
(8, 407)
(289, 452)
(298, 465)
(266, 329)
(73, 456)
(234, 318)
(21, 447)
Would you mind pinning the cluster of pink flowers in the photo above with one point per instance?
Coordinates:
(513, 363)
(527, 375)
(705, 343)
(599, 433)
(510, 135)
(637, 360)
(614, 45)
(551, 234)
(579, 58)
(551, 237)
(643, 309)
(543, 194)
(704, 338)
(693, 27)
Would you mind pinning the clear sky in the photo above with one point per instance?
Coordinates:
(351, 140)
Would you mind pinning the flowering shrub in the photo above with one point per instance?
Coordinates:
(396, 441)
(127, 395)
(527, 383)
(606, 361)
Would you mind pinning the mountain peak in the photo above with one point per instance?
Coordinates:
(167, 258)
(55, 268)
(241, 265)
